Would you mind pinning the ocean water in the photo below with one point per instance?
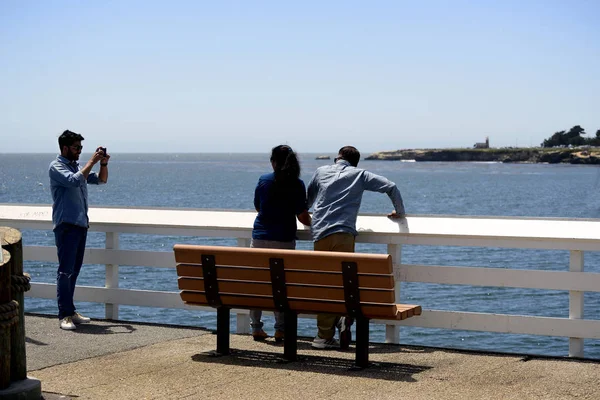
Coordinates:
(226, 181)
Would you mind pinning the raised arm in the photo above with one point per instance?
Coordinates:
(378, 183)
(103, 175)
(87, 168)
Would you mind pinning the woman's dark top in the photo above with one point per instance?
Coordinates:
(278, 206)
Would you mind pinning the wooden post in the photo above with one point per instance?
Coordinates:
(19, 285)
(242, 319)
(4, 325)
(392, 332)
(576, 303)
(111, 311)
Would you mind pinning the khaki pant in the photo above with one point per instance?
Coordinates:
(344, 242)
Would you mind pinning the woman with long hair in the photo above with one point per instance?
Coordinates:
(279, 198)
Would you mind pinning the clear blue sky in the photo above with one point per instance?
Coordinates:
(243, 76)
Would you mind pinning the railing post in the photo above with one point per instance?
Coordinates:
(111, 311)
(19, 285)
(12, 320)
(8, 313)
(576, 303)
(242, 320)
(392, 332)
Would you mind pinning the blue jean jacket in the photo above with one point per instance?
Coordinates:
(335, 193)
(69, 192)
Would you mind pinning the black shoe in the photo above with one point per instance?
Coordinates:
(345, 332)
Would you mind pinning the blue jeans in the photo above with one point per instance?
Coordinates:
(70, 245)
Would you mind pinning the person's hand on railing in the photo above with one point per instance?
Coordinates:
(395, 215)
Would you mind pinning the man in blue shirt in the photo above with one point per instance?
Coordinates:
(335, 193)
(68, 183)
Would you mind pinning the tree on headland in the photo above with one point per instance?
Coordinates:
(572, 137)
(558, 139)
(595, 141)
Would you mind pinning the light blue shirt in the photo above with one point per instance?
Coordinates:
(335, 193)
(69, 192)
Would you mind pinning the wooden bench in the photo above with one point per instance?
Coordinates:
(356, 285)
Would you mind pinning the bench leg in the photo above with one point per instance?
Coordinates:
(362, 343)
(223, 331)
(290, 341)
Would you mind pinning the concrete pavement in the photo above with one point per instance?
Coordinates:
(122, 360)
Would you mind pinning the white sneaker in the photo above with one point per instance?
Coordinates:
(80, 319)
(67, 324)
(326, 344)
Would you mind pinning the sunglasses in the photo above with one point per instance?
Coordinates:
(76, 148)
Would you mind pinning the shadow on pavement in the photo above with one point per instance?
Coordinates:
(57, 396)
(36, 342)
(316, 363)
(304, 343)
(104, 329)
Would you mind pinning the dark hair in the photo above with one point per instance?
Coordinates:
(285, 165)
(350, 154)
(68, 138)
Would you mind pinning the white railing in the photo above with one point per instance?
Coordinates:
(576, 236)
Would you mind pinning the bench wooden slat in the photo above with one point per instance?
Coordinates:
(294, 259)
(308, 306)
(298, 291)
(407, 310)
(295, 277)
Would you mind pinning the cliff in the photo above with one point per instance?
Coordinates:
(507, 155)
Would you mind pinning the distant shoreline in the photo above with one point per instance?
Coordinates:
(589, 155)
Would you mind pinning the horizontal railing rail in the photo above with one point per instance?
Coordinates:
(574, 235)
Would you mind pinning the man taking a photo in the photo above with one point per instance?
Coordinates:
(68, 183)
